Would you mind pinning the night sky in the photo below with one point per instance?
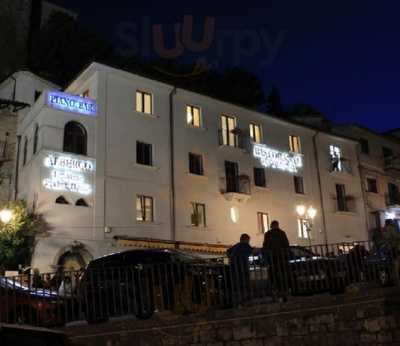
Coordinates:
(340, 56)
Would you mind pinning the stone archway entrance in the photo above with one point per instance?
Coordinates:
(74, 258)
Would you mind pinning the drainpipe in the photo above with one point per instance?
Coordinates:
(172, 163)
(17, 168)
(320, 188)
(363, 191)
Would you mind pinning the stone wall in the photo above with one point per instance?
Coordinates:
(363, 319)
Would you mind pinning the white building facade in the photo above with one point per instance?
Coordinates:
(136, 158)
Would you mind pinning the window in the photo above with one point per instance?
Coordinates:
(364, 144)
(37, 95)
(193, 116)
(387, 152)
(298, 185)
(372, 185)
(303, 230)
(61, 200)
(336, 158)
(144, 209)
(198, 214)
(341, 197)
(75, 138)
(81, 203)
(144, 102)
(255, 133)
(259, 177)
(144, 155)
(35, 139)
(86, 94)
(263, 222)
(228, 125)
(295, 144)
(232, 176)
(196, 164)
(393, 195)
(25, 152)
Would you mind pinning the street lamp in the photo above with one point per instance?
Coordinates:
(308, 215)
(6, 215)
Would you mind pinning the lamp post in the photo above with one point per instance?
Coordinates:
(308, 215)
(6, 215)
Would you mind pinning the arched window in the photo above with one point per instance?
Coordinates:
(25, 152)
(81, 203)
(35, 139)
(75, 138)
(61, 200)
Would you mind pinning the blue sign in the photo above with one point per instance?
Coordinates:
(71, 103)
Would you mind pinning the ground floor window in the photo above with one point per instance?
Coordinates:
(144, 208)
(198, 214)
(302, 227)
(263, 222)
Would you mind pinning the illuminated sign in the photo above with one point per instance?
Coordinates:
(275, 159)
(71, 103)
(68, 173)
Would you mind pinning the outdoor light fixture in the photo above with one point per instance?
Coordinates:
(312, 213)
(301, 210)
(6, 215)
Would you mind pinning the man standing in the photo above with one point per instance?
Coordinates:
(239, 261)
(276, 251)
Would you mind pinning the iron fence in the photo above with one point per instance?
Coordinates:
(102, 292)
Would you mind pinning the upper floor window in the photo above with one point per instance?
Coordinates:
(263, 222)
(336, 158)
(144, 208)
(37, 95)
(295, 144)
(198, 214)
(144, 102)
(387, 152)
(298, 185)
(75, 138)
(302, 229)
(144, 153)
(228, 135)
(259, 177)
(25, 152)
(196, 164)
(81, 203)
(364, 145)
(341, 198)
(35, 139)
(193, 116)
(372, 185)
(61, 200)
(86, 93)
(255, 133)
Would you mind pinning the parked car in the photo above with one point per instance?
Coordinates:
(24, 305)
(306, 272)
(139, 282)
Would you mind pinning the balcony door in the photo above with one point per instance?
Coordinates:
(393, 194)
(232, 176)
(228, 125)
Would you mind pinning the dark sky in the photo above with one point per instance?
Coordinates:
(340, 56)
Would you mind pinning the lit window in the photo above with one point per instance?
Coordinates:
(75, 138)
(302, 227)
(298, 185)
(295, 144)
(144, 155)
(193, 116)
(144, 209)
(336, 158)
(198, 214)
(228, 126)
(234, 214)
(255, 133)
(259, 177)
(196, 164)
(144, 102)
(263, 222)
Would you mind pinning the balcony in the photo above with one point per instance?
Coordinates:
(348, 204)
(392, 164)
(341, 165)
(236, 188)
(392, 199)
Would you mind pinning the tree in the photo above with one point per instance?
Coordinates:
(17, 237)
(274, 103)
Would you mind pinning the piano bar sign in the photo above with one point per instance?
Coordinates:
(275, 159)
(71, 103)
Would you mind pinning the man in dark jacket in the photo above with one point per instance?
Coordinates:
(276, 251)
(239, 261)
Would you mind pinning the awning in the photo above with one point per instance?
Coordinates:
(200, 248)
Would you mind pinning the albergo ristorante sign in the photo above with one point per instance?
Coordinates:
(71, 103)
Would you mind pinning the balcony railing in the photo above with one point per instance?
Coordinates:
(237, 188)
